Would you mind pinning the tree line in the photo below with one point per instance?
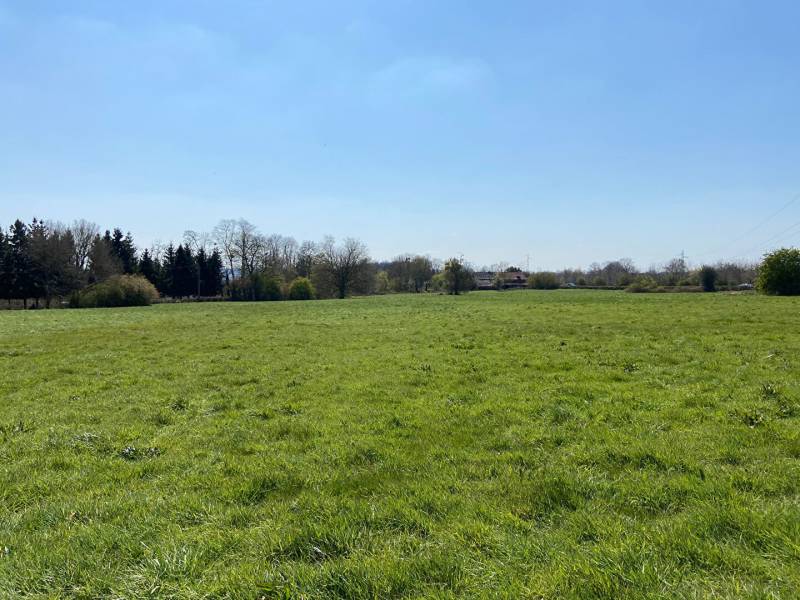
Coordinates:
(43, 261)
(623, 273)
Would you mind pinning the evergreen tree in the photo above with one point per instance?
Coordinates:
(149, 268)
(21, 275)
(130, 261)
(185, 274)
(212, 277)
(123, 248)
(167, 275)
(201, 266)
(6, 279)
(102, 261)
(53, 273)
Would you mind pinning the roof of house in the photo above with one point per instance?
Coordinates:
(513, 275)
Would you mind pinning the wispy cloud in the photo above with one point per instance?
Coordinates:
(421, 76)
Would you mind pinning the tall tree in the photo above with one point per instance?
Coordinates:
(52, 252)
(248, 247)
(224, 236)
(341, 268)
(304, 261)
(185, 274)
(21, 266)
(83, 234)
(458, 276)
(6, 269)
(166, 283)
(149, 267)
(198, 242)
(211, 273)
(124, 249)
(102, 261)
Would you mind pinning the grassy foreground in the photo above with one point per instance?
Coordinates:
(513, 445)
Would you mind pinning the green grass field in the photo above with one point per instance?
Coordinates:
(512, 445)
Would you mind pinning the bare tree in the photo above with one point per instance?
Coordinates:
(83, 234)
(224, 235)
(248, 246)
(674, 271)
(197, 240)
(341, 267)
(157, 249)
(272, 253)
(304, 262)
(289, 255)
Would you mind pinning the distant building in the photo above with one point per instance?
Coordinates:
(485, 280)
(513, 279)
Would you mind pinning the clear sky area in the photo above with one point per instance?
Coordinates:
(549, 133)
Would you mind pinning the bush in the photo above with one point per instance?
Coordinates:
(779, 273)
(120, 290)
(543, 281)
(257, 287)
(301, 289)
(708, 279)
(642, 285)
(266, 287)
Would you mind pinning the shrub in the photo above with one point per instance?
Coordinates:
(256, 287)
(266, 287)
(779, 273)
(120, 290)
(543, 281)
(708, 278)
(642, 285)
(382, 283)
(439, 283)
(301, 289)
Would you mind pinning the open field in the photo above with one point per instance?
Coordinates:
(521, 444)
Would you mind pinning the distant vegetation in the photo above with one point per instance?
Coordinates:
(544, 281)
(780, 273)
(43, 262)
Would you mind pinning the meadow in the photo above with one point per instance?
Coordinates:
(565, 444)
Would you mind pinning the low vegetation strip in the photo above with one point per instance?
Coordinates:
(564, 444)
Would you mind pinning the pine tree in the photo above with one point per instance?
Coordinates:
(102, 261)
(167, 275)
(21, 275)
(129, 261)
(201, 264)
(212, 277)
(6, 279)
(185, 274)
(124, 250)
(149, 268)
(53, 272)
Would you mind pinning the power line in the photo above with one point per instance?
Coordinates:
(754, 228)
(773, 238)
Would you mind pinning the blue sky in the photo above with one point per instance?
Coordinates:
(567, 131)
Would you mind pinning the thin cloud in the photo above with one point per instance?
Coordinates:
(421, 76)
